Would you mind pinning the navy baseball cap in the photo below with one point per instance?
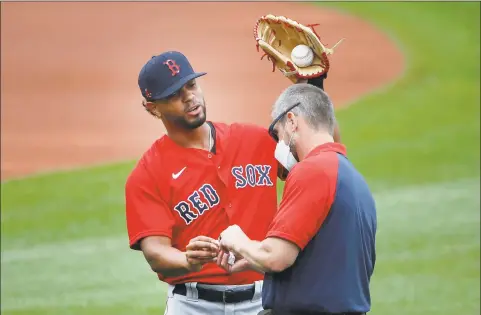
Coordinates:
(165, 74)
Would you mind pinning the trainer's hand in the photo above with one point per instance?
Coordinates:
(201, 250)
(240, 264)
(225, 258)
(231, 237)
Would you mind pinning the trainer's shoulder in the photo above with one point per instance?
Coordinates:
(312, 168)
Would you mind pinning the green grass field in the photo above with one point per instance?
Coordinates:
(63, 237)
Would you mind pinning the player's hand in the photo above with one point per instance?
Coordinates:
(201, 250)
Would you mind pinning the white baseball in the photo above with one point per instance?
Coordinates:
(302, 55)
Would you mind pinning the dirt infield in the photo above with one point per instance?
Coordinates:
(69, 72)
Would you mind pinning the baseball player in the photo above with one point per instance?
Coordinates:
(190, 185)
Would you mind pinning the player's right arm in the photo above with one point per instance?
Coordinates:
(170, 262)
(150, 222)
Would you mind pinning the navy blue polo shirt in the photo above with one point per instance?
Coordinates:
(328, 211)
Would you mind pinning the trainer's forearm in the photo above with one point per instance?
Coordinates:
(259, 257)
(168, 261)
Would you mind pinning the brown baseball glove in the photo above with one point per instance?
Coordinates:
(277, 36)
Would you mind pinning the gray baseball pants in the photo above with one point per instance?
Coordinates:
(190, 304)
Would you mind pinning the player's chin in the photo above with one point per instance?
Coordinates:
(195, 122)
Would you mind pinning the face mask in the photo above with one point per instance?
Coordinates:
(284, 155)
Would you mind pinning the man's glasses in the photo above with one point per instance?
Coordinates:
(271, 130)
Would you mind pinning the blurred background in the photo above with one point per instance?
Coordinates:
(405, 82)
(69, 88)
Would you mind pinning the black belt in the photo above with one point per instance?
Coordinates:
(317, 313)
(271, 312)
(227, 296)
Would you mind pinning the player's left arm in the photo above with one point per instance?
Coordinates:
(337, 133)
(319, 82)
(300, 215)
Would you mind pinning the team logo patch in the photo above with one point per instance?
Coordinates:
(173, 66)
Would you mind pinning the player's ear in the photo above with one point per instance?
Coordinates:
(151, 108)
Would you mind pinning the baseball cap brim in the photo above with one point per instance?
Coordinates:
(178, 85)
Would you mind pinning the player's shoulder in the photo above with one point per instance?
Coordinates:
(244, 129)
(250, 127)
(150, 160)
(155, 152)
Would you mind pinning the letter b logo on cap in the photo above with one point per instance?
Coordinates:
(165, 74)
(173, 66)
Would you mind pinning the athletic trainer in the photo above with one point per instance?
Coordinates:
(319, 253)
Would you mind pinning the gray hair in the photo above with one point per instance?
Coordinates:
(315, 106)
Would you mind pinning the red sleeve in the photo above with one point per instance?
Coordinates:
(146, 213)
(307, 198)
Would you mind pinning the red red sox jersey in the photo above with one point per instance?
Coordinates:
(182, 193)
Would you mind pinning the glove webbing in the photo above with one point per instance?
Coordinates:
(271, 37)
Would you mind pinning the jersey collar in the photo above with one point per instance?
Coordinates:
(328, 147)
(216, 148)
